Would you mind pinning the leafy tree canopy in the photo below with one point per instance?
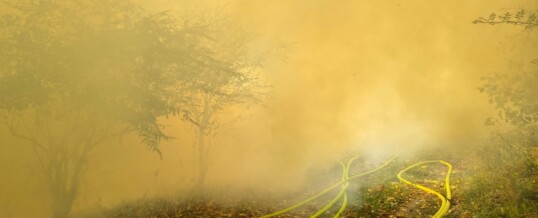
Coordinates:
(514, 95)
(105, 60)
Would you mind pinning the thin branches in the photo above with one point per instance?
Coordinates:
(521, 18)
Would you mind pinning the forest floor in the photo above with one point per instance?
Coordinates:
(379, 194)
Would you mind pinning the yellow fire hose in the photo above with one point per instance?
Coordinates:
(344, 201)
(343, 181)
(445, 204)
(345, 175)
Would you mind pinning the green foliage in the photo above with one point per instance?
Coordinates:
(110, 62)
(75, 73)
(514, 95)
(502, 181)
(231, 77)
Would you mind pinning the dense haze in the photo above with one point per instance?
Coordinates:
(377, 77)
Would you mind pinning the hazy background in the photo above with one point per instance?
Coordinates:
(358, 75)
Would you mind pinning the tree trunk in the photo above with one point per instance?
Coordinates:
(202, 168)
(61, 204)
(202, 157)
(63, 176)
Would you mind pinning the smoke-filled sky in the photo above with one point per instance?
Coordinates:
(348, 75)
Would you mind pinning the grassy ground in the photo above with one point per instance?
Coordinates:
(498, 179)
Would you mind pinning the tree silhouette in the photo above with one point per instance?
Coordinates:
(230, 78)
(522, 18)
(514, 95)
(74, 74)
